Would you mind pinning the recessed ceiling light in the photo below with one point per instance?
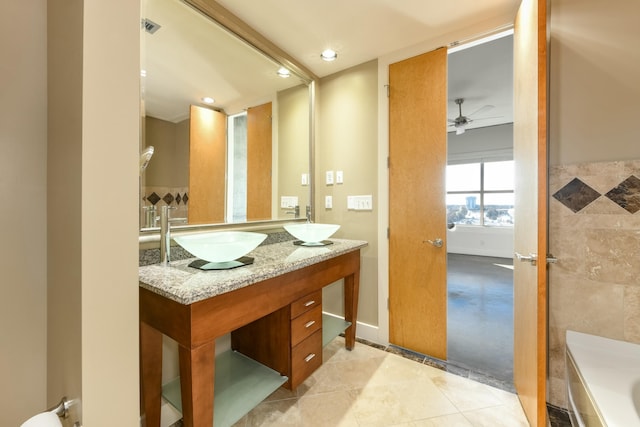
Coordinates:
(329, 55)
(208, 100)
(283, 72)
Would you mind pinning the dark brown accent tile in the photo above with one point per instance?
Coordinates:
(185, 198)
(168, 198)
(153, 198)
(371, 344)
(627, 194)
(178, 198)
(576, 195)
(407, 354)
(558, 417)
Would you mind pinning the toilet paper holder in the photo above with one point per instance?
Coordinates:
(62, 408)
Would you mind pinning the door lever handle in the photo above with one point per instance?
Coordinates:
(532, 258)
(436, 242)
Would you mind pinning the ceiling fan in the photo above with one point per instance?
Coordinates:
(460, 123)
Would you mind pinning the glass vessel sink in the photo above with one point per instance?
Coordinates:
(311, 234)
(220, 246)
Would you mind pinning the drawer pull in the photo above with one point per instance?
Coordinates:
(309, 323)
(308, 303)
(309, 357)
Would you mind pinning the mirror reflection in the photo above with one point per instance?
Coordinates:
(230, 136)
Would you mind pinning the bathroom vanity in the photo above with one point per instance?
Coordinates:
(273, 310)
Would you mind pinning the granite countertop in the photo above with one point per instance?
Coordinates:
(187, 285)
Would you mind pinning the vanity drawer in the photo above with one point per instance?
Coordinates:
(306, 357)
(306, 303)
(305, 324)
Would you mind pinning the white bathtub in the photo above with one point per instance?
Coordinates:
(603, 381)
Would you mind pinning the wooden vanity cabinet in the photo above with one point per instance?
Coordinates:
(288, 340)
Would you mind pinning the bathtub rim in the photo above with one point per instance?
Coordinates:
(598, 361)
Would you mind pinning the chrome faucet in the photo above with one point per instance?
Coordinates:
(165, 233)
(295, 212)
(151, 220)
(309, 213)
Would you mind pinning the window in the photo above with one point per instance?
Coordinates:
(481, 193)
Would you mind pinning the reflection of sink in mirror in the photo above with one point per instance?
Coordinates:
(304, 253)
(221, 246)
(311, 233)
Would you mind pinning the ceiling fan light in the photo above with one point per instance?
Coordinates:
(460, 130)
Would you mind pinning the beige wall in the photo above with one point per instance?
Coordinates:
(23, 168)
(594, 99)
(92, 179)
(169, 166)
(64, 216)
(347, 141)
(293, 147)
(595, 63)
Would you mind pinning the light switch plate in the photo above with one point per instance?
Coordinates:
(328, 202)
(288, 202)
(329, 178)
(360, 203)
(339, 177)
(305, 179)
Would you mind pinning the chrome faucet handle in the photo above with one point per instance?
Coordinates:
(165, 234)
(295, 212)
(308, 213)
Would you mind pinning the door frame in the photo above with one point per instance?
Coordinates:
(469, 34)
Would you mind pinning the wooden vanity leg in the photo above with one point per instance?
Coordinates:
(150, 374)
(351, 289)
(197, 368)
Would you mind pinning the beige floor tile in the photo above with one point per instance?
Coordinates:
(328, 409)
(336, 352)
(368, 387)
(279, 413)
(341, 376)
(453, 420)
(396, 403)
(498, 416)
(394, 369)
(466, 394)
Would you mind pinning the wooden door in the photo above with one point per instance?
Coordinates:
(207, 165)
(417, 211)
(530, 231)
(259, 162)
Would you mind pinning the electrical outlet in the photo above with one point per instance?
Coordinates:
(339, 177)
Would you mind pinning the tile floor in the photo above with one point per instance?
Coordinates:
(373, 387)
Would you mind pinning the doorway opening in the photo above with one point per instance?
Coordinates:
(480, 202)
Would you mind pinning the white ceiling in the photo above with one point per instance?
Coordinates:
(359, 30)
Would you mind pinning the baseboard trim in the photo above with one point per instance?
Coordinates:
(363, 330)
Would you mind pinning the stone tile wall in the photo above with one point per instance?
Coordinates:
(162, 196)
(594, 231)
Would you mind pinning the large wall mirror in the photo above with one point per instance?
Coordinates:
(231, 136)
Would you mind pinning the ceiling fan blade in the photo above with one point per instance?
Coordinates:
(484, 109)
(452, 121)
(488, 118)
